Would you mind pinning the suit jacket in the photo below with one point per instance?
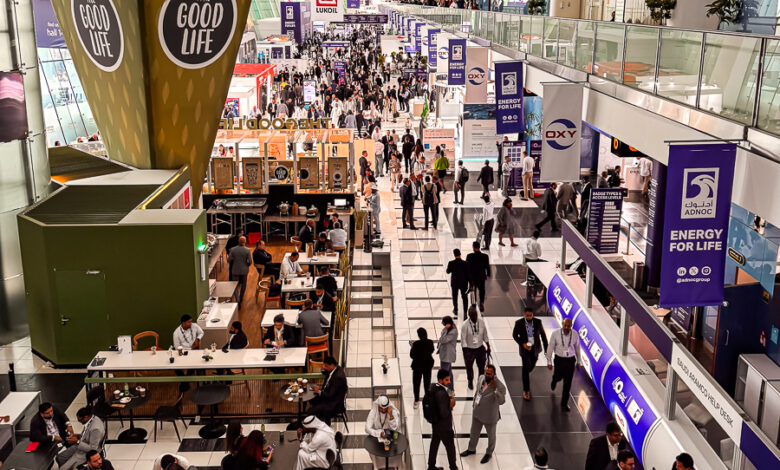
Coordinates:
(407, 199)
(38, 427)
(479, 266)
(335, 390)
(598, 453)
(460, 273)
(311, 322)
(550, 201)
(240, 259)
(585, 194)
(485, 175)
(306, 235)
(442, 399)
(328, 304)
(520, 335)
(328, 283)
(422, 354)
(91, 437)
(486, 409)
(288, 335)
(238, 341)
(565, 194)
(261, 257)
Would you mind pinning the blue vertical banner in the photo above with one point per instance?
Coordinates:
(418, 36)
(696, 218)
(456, 73)
(509, 97)
(341, 69)
(604, 210)
(353, 3)
(409, 29)
(291, 21)
(433, 34)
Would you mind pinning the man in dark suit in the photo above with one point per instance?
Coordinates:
(459, 281)
(329, 401)
(625, 461)
(407, 205)
(327, 282)
(486, 177)
(323, 300)
(237, 337)
(306, 234)
(51, 425)
(281, 334)
(479, 271)
(604, 449)
(530, 336)
(549, 206)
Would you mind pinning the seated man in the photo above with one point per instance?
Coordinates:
(311, 320)
(262, 257)
(338, 236)
(51, 425)
(91, 438)
(279, 335)
(383, 419)
(306, 233)
(237, 337)
(291, 267)
(164, 462)
(316, 439)
(327, 282)
(322, 244)
(188, 334)
(329, 401)
(322, 300)
(96, 462)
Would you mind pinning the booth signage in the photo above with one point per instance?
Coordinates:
(328, 10)
(291, 21)
(432, 48)
(560, 300)
(341, 69)
(535, 152)
(223, 171)
(195, 33)
(509, 97)
(48, 33)
(681, 316)
(698, 196)
(352, 4)
(336, 44)
(277, 123)
(252, 173)
(606, 206)
(337, 172)
(100, 32)
(476, 75)
(595, 354)
(561, 131)
(309, 90)
(309, 172)
(418, 37)
(365, 19)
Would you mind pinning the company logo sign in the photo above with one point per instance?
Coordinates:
(457, 52)
(99, 31)
(443, 53)
(289, 12)
(699, 195)
(509, 83)
(561, 134)
(476, 76)
(195, 33)
(327, 3)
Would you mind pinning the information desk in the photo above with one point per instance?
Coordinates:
(233, 359)
(290, 316)
(301, 284)
(317, 260)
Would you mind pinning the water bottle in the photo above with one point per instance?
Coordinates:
(262, 428)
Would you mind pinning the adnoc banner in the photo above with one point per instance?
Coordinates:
(561, 132)
(341, 69)
(291, 20)
(418, 36)
(353, 3)
(509, 97)
(696, 220)
(456, 74)
(433, 35)
(476, 75)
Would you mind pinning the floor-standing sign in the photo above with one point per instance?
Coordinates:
(476, 75)
(456, 74)
(696, 220)
(606, 205)
(509, 97)
(561, 131)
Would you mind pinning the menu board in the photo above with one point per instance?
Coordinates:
(280, 172)
(309, 173)
(223, 172)
(252, 172)
(604, 212)
(338, 177)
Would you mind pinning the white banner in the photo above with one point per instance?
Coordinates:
(328, 10)
(309, 91)
(476, 75)
(561, 132)
(479, 138)
(443, 51)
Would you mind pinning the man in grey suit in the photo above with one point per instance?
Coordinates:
(490, 395)
(311, 320)
(240, 259)
(91, 438)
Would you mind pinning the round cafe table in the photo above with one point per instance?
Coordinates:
(307, 396)
(132, 435)
(211, 395)
(377, 449)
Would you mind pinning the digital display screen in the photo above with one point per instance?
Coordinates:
(13, 113)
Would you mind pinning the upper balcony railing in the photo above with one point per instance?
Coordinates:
(732, 75)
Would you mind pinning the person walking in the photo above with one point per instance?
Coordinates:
(486, 177)
(528, 176)
(565, 347)
(407, 148)
(565, 197)
(422, 364)
(375, 203)
(604, 449)
(540, 460)
(488, 209)
(506, 170)
(240, 259)
(529, 334)
(506, 223)
(448, 340)
(439, 414)
(430, 197)
(474, 339)
(549, 206)
(407, 205)
(488, 398)
(441, 165)
(459, 281)
(461, 178)
(479, 272)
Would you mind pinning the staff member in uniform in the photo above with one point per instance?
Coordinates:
(565, 346)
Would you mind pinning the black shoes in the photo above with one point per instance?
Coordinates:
(471, 385)
(565, 408)
(486, 458)
(467, 452)
(552, 385)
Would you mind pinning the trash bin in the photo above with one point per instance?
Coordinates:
(638, 280)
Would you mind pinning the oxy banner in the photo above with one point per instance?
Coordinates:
(456, 73)
(561, 132)
(509, 97)
(476, 75)
(696, 219)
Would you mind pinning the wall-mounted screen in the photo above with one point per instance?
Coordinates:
(13, 113)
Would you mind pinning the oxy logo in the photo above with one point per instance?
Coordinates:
(700, 191)
(443, 53)
(509, 83)
(561, 134)
(457, 52)
(476, 76)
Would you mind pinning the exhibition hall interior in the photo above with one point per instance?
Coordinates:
(398, 234)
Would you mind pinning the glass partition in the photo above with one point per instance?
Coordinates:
(769, 98)
(537, 26)
(525, 33)
(678, 70)
(609, 51)
(730, 76)
(550, 50)
(641, 53)
(584, 54)
(566, 40)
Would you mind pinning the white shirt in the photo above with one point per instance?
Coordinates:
(473, 334)
(645, 167)
(290, 268)
(506, 168)
(613, 449)
(564, 346)
(528, 164)
(183, 463)
(378, 421)
(533, 249)
(487, 211)
(185, 338)
(338, 236)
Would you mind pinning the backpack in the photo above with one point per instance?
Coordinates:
(430, 411)
(427, 195)
(464, 175)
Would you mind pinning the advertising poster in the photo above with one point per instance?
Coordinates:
(561, 301)
(432, 49)
(561, 128)
(341, 69)
(443, 138)
(353, 4)
(47, 29)
(280, 172)
(595, 354)
(479, 138)
(328, 10)
(535, 152)
(514, 150)
(442, 52)
(13, 112)
(456, 75)
(418, 36)
(681, 316)
(338, 177)
(309, 172)
(696, 218)
(252, 171)
(655, 232)
(309, 90)
(509, 97)
(291, 21)
(606, 206)
(476, 75)
(223, 172)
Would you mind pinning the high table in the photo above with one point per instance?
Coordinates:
(390, 380)
(307, 396)
(133, 435)
(224, 289)
(397, 447)
(211, 395)
(41, 459)
(302, 284)
(285, 446)
(290, 316)
(317, 260)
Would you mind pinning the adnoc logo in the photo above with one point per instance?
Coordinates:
(560, 134)
(476, 76)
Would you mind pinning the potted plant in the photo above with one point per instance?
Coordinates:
(732, 11)
(660, 10)
(537, 7)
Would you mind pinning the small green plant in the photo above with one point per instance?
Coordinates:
(729, 11)
(537, 7)
(660, 10)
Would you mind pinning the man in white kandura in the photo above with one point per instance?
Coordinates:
(316, 438)
(383, 419)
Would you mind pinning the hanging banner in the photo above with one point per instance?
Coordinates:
(328, 10)
(696, 218)
(47, 28)
(561, 131)
(456, 75)
(433, 35)
(606, 206)
(291, 21)
(418, 36)
(353, 3)
(476, 75)
(410, 25)
(442, 52)
(365, 19)
(509, 97)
